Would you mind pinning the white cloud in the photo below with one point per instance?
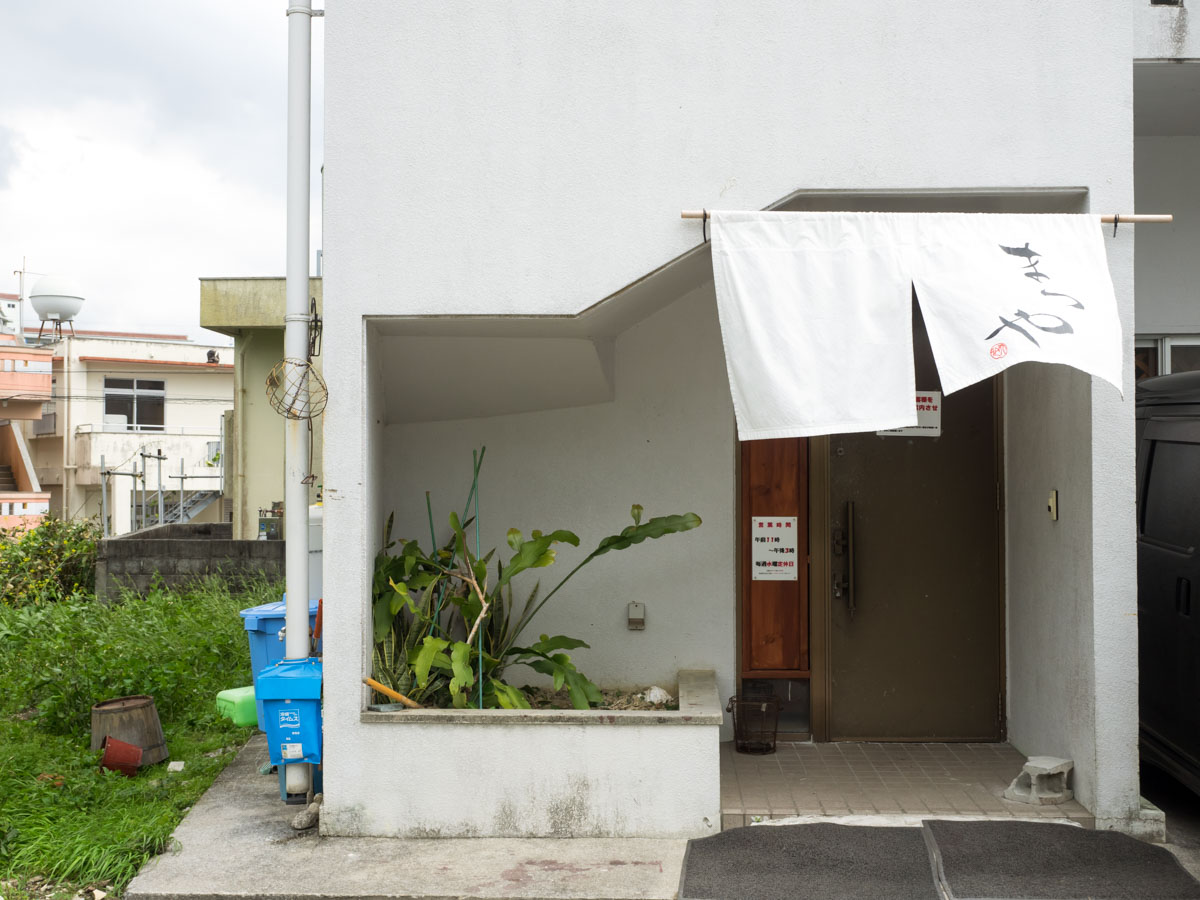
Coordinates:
(152, 153)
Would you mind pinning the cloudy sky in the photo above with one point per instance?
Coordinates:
(142, 146)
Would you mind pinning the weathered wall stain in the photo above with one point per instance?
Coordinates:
(568, 813)
(1179, 32)
(505, 821)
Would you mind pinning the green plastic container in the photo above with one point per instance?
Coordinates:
(238, 705)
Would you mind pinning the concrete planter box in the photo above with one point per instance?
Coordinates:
(535, 773)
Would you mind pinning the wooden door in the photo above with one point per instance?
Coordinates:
(775, 612)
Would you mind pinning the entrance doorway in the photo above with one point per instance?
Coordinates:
(905, 640)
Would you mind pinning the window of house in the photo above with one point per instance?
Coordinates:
(141, 402)
(1145, 360)
(1184, 354)
(1163, 355)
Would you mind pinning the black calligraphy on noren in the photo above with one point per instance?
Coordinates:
(1032, 255)
(1025, 323)
(1063, 326)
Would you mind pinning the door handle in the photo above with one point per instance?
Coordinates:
(843, 543)
(850, 605)
(1183, 596)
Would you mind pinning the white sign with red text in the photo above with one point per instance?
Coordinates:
(929, 417)
(774, 548)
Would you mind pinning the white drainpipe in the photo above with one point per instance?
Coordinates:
(295, 341)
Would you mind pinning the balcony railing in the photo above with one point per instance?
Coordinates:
(122, 428)
(47, 424)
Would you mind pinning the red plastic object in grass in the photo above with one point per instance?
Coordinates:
(120, 756)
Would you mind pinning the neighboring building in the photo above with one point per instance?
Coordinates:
(118, 395)
(507, 267)
(250, 310)
(10, 313)
(1166, 112)
(25, 385)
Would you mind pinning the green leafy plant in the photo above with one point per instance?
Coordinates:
(445, 634)
(51, 562)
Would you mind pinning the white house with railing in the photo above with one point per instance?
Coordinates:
(133, 432)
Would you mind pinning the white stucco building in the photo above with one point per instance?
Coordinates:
(1167, 170)
(117, 395)
(505, 265)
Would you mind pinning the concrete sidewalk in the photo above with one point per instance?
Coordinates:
(236, 842)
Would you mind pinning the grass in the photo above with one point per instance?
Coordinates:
(61, 816)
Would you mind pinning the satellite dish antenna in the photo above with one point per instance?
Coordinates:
(56, 299)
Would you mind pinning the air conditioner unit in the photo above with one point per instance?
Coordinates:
(116, 422)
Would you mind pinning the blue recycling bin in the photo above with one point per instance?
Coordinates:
(263, 624)
(290, 691)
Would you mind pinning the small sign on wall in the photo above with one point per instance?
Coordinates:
(774, 548)
(929, 418)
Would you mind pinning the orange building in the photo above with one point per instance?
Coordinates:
(25, 385)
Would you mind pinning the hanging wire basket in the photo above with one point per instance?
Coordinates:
(296, 390)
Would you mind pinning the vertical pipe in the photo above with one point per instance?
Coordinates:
(295, 341)
(182, 482)
(159, 516)
(21, 305)
(66, 426)
(103, 495)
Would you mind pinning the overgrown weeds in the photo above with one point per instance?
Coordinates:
(50, 563)
(61, 816)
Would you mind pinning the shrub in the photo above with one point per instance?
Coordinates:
(49, 563)
(181, 646)
(61, 816)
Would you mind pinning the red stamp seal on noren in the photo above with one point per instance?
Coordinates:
(999, 351)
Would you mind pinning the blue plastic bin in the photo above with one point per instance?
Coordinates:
(291, 694)
(262, 628)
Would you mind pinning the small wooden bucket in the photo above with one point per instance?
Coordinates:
(133, 720)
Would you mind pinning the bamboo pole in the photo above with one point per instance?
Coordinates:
(1130, 219)
(388, 692)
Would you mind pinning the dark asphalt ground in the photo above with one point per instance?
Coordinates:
(1182, 809)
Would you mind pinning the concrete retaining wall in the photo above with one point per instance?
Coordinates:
(535, 773)
(181, 553)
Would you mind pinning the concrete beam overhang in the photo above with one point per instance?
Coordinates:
(1166, 97)
(444, 368)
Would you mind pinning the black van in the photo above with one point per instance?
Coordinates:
(1168, 480)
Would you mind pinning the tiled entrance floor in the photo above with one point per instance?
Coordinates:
(869, 779)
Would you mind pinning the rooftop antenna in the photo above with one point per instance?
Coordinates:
(56, 300)
(22, 272)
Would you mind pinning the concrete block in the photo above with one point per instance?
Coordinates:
(220, 549)
(120, 549)
(1043, 779)
(101, 579)
(191, 566)
(265, 549)
(239, 549)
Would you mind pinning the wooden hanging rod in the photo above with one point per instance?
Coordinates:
(1130, 219)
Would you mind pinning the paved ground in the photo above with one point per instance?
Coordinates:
(237, 842)
(865, 779)
(1182, 808)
